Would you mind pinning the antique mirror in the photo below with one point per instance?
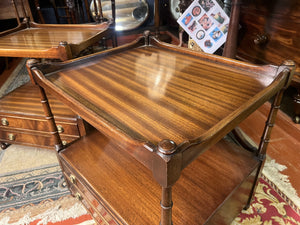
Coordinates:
(130, 14)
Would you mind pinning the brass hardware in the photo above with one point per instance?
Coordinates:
(4, 122)
(261, 39)
(72, 179)
(64, 142)
(78, 196)
(60, 129)
(4, 146)
(11, 137)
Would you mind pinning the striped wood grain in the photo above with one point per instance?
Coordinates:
(154, 94)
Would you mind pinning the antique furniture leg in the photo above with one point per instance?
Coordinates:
(38, 8)
(166, 206)
(114, 35)
(265, 139)
(87, 11)
(50, 118)
(166, 176)
(47, 109)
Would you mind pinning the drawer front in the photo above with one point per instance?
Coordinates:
(37, 124)
(95, 212)
(78, 190)
(31, 138)
(269, 33)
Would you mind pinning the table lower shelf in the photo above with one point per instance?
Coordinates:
(116, 188)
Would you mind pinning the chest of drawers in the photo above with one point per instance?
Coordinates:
(23, 120)
(270, 34)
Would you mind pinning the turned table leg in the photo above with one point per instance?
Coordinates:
(166, 206)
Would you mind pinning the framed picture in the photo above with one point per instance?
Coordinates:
(206, 23)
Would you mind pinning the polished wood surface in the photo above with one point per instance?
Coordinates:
(269, 31)
(163, 106)
(23, 120)
(134, 194)
(7, 9)
(46, 41)
(36, 42)
(41, 39)
(146, 102)
(51, 41)
(269, 34)
(26, 101)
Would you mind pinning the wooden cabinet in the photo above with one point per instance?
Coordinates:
(159, 153)
(270, 34)
(23, 119)
(20, 112)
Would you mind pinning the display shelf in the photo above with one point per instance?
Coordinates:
(127, 191)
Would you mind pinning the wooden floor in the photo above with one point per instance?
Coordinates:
(285, 139)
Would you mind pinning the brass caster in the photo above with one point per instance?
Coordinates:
(4, 145)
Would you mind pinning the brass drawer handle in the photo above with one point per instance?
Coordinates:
(78, 196)
(11, 137)
(64, 142)
(4, 122)
(60, 129)
(261, 39)
(72, 179)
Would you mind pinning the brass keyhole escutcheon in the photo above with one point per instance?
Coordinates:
(4, 122)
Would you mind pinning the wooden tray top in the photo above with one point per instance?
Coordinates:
(145, 92)
(157, 92)
(41, 39)
(163, 105)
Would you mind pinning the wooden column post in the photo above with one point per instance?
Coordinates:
(265, 138)
(231, 42)
(156, 17)
(166, 206)
(30, 64)
(50, 119)
(168, 171)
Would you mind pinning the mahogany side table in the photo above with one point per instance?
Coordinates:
(158, 153)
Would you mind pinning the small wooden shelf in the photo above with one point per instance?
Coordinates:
(127, 190)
